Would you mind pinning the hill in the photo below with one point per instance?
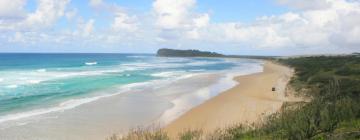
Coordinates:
(186, 53)
(197, 53)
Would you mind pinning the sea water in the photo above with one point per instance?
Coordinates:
(40, 84)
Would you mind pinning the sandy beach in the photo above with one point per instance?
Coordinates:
(246, 103)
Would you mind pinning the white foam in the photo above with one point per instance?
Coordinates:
(199, 70)
(41, 75)
(12, 86)
(153, 65)
(184, 76)
(41, 70)
(70, 104)
(90, 63)
(137, 56)
(168, 74)
(138, 65)
(34, 81)
(22, 78)
(202, 63)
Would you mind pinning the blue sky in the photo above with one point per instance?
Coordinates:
(256, 27)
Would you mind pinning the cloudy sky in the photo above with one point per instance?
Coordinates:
(258, 27)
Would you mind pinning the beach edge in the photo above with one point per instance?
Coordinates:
(248, 102)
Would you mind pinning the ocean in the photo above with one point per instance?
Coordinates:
(35, 85)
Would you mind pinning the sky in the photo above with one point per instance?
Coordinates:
(242, 27)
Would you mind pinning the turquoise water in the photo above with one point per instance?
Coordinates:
(31, 81)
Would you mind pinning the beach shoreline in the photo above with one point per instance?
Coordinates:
(155, 103)
(246, 103)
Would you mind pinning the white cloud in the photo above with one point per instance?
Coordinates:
(172, 14)
(84, 30)
(11, 9)
(46, 14)
(257, 35)
(124, 22)
(103, 6)
(312, 24)
(71, 14)
(336, 25)
(96, 3)
(33, 27)
(202, 21)
(18, 37)
(177, 19)
(30, 38)
(305, 4)
(88, 27)
(11, 12)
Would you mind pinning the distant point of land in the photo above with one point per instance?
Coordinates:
(186, 53)
(197, 53)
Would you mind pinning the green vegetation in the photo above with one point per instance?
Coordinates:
(151, 133)
(333, 84)
(186, 53)
(198, 53)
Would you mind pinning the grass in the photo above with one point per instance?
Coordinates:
(150, 133)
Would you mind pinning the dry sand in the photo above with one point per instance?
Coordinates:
(246, 103)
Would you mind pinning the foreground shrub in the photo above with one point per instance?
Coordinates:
(142, 134)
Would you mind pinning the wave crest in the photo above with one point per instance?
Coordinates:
(91, 63)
